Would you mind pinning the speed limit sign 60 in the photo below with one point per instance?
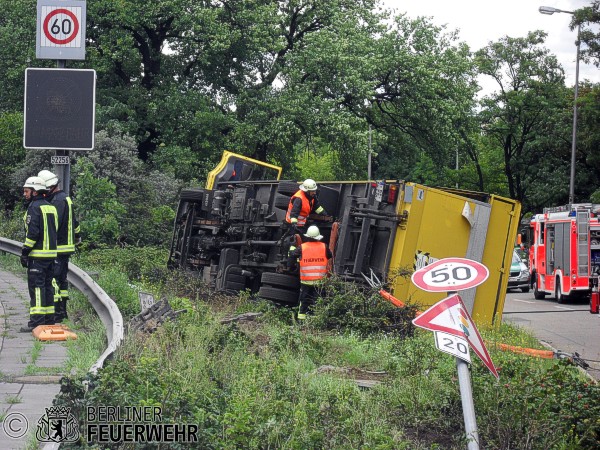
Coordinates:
(450, 274)
(61, 29)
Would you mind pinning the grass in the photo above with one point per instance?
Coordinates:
(13, 399)
(256, 385)
(81, 353)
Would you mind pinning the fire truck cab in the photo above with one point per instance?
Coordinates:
(564, 258)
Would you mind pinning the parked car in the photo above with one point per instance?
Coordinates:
(519, 274)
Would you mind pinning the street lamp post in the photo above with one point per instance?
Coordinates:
(549, 11)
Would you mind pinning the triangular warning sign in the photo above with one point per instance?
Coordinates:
(450, 315)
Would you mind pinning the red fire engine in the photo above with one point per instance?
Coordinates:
(564, 258)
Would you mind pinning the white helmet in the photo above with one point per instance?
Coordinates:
(35, 183)
(308, 185)
(49, 178)
(313, 232)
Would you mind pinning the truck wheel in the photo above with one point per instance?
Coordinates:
(279, 295)
(280, 280)
(281, 201)
(287, 188)
(192, 194)
(560, 298)
(233, 286)
(537, 294)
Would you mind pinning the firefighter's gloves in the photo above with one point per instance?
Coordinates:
(24, 259)
(321, 211)
(294, 224)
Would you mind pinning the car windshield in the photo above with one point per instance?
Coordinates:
(516, 258)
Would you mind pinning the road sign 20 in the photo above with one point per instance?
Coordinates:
(453, 345)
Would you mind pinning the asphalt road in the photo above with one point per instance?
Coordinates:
(568, 327)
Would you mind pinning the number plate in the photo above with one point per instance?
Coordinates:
(60, 160)
(379, 191)
(453, 345)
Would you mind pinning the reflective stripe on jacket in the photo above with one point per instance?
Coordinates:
(41, 222)
(313, 263)
(307, 205)
(67, 223)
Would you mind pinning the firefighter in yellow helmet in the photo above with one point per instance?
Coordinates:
(67, 237)
(303, 203)
(39, 252)
(312, 256)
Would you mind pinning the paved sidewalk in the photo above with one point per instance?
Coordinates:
(26, 386)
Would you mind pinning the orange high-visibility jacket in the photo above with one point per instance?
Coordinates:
(307, 205)
(313, 264)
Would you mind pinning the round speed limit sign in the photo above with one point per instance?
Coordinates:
(61, 26)
(450, 274)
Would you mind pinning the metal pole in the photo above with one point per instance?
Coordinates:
(456, 167)
(574, 139)
(370, 151)
(63, 171)
(466, 396)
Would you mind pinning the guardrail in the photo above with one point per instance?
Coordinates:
(105, 307)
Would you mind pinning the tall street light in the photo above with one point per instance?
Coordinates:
(549, 11)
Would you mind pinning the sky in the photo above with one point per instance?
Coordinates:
(482, 21)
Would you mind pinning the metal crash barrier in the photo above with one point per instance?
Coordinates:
(105, 307)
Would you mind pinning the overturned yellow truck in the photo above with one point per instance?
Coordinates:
(232, 233)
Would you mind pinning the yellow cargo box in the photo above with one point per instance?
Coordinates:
(452, 223)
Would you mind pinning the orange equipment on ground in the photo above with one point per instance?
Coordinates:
(53, 333)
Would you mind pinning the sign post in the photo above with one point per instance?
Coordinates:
(453, 325)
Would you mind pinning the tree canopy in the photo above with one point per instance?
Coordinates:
(292, 81)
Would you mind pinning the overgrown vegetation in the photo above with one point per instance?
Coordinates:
(258, 384)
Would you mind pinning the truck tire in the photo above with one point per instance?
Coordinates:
(234, 286)
(192, 194)
(560, 298)
(280, 280)
(281, 201)
(278, 295)
(538, 295)
(287, 188)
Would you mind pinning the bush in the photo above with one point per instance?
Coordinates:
(349, 306)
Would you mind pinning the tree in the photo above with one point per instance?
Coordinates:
(526, 118)
(11, 155)
(17, 47)
(589, 18)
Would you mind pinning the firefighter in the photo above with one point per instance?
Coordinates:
(312, 256)
(302, 204)
(67, 237)
(39, 252)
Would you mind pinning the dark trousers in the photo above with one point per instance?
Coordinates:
(61, 269)
(41, 292)
(308, 295)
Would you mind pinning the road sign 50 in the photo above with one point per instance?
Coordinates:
(450, 274)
